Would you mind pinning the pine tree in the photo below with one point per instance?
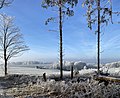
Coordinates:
(98, 12)
(64, 9)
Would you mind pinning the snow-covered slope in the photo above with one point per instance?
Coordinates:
(112, 68)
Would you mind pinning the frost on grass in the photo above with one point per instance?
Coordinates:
(34, 87)
(63, 89)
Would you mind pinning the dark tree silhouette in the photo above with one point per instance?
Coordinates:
(11, 40)
(64, 9)
(5, 3)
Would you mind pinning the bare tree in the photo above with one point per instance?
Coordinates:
(5, 3)
(11, 40)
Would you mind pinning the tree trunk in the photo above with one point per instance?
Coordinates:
(60, 29)
(5, 67)
(72, 72)
(98, 59)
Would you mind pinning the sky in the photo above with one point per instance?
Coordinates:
(79, 42)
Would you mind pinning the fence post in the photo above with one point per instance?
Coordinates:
(44, 77)
(72, 70)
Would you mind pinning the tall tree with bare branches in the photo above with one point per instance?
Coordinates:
(64, 8)
(98, 12)
(11, 40)
(4, 3)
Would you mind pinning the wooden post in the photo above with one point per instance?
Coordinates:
(44, 77)
(72, 70)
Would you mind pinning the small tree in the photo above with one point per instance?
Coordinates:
(5, 3)
(64, 9)
(11, 40)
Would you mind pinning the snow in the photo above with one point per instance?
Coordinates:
(77, 65)
(112, 68)
(31, 71)
(34, 71)
(87, 71)
(62, 89)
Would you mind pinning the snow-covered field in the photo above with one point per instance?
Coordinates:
(31, 71)
(111, 68)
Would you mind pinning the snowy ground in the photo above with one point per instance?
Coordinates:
(34, 71)
(35, 87)
(111, 68)
(31, 84)
(31, 71)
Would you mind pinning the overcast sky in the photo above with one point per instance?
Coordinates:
(78, 41)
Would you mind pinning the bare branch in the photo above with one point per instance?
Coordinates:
(2, 3)
(5, 3)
